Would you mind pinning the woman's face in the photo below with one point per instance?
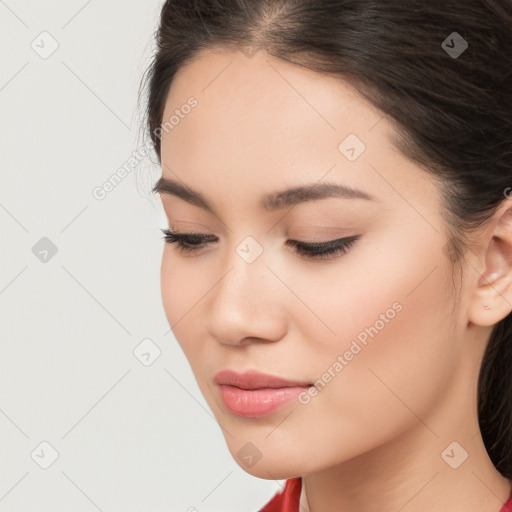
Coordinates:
(373, 324)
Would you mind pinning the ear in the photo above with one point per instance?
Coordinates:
(492, 298)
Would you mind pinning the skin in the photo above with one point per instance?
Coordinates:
(373, 437)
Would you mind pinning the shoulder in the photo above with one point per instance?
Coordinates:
(286, 500)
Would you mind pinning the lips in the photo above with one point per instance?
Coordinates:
(253, 394)
(252, 379)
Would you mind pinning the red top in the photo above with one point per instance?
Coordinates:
(288, 499)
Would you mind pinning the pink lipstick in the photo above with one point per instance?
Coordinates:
(253, 394)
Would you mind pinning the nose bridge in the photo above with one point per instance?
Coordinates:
(243, 304)
(247, 270)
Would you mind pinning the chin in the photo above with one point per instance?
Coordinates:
(275, 466)
(272, 471)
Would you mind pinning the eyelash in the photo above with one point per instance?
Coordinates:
(191, 242)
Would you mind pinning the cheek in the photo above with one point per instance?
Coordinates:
(390, 384)
(397, 361)
(386, 301)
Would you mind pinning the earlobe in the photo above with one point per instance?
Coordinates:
(492, 296)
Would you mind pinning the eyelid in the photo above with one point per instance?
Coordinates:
(328, 232)
(186, 227)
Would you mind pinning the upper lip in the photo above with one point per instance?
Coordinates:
(253, 379)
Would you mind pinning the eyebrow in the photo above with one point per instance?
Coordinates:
(270, 202)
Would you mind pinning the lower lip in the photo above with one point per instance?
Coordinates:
(256, 403)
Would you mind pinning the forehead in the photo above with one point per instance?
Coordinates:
(261, 124)
(265, 95)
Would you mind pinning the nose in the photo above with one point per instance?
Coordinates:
(247, 305)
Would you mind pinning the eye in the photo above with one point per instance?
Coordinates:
(192, 242)
(324, 250)
(186, 242)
